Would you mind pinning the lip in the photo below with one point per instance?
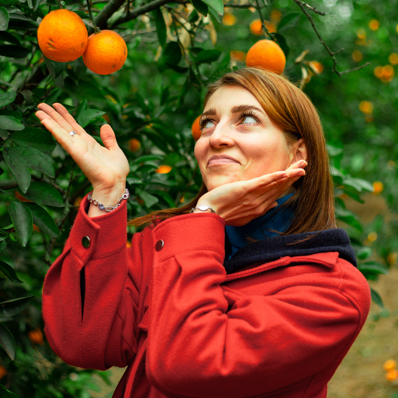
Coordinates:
(216, 160)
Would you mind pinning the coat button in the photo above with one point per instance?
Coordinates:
(159, 245)
(86, 242)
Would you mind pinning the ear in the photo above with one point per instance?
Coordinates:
(298, 151)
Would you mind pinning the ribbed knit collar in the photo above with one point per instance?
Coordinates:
(275, 220)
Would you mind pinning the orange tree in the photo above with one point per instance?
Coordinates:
(174, 49)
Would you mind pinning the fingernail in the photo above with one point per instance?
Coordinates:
(303, 163)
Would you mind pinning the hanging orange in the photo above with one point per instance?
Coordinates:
(266, 54)
(62, 36)
(106, 52)
(195, 128)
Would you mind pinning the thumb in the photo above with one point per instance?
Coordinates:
(108, 137)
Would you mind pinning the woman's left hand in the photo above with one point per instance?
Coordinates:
(240, 202)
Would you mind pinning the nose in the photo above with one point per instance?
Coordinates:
(221, 136)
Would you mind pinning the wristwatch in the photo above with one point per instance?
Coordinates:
(202, 208)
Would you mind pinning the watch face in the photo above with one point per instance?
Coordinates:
(203, 207)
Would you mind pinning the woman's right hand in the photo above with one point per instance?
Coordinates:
(105, 166)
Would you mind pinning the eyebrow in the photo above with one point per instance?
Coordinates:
(235, 109)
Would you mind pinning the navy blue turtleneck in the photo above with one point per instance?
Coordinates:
(276, 220)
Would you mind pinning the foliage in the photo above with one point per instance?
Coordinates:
(175, 49)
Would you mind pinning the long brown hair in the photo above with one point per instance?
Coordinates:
(291, 109)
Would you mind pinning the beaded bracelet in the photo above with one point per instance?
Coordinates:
(95, 202)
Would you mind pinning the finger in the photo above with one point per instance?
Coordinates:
(299, 164)
(53, 114)
(108, 137)
(69, 118)
(60, 134)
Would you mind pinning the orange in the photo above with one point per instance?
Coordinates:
(392, 375)
(378, 187)
(393, 59)
(257, 29)
(163, 169)
(237, 55)
(134, 145)
(374, 24)
(389, 364)
(36, 336)
(266, 54)
(357, 56)
(366, 107)
(378, 71)
(62, 36)
(106, 52)
(387, 74)
(229, 19)
(3, 371)
(195, 128)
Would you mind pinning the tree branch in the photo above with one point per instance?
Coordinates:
(313, 9)
(102, 18)
(303, 5)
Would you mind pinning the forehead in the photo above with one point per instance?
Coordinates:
(227, 97)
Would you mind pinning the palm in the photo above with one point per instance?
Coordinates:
(105, 165)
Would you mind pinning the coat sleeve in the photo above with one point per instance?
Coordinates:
(90, 293)
(200, 344)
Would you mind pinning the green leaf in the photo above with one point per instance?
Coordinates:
(7, 98)
(7, 393)
(376, 298)
(200, 7)
(364, 252)
(216, 5)
(213, 12)
(12, 307)
(7, 341)
(89, 116)
(3, 244)
(23, 221)
(283, 44)
(43, 220)
(9, 272)
(35, 160)
(167, 198)
(289, 21)
(160, 27)
(13, 51)
(44, 194)
(53, 96)
(4, 18)
(373, 266)
(171, 54)
(358, 184)
(18, 169)
(149, 200)
(10, 123)
(208, 56)
(35, 138)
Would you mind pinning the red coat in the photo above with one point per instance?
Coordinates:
(166, 309)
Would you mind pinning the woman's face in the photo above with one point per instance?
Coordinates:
(238, 141)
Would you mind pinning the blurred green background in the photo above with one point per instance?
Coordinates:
(174, 51)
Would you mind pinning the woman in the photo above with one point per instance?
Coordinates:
(243, 298)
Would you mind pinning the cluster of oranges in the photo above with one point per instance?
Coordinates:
(63, 37)
(390, 366)
(384, 73)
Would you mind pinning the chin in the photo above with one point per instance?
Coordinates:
(215, 183)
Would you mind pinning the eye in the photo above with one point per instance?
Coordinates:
(249, 118)
(206, 124)
(246, 119)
